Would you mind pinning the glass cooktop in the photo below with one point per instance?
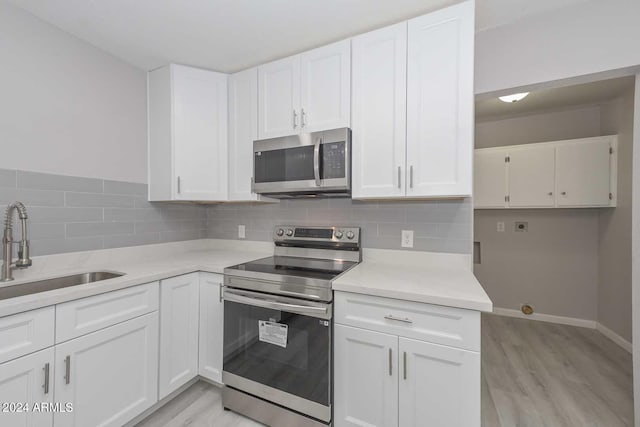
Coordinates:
(322, 269)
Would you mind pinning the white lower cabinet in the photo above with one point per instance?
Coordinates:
(179, 297)
(27, 380)
(109, 376)
(389, 380)
(366, 378)
(439, 385)
(211, 327)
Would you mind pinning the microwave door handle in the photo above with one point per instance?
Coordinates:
(316, 161)
(292, 308)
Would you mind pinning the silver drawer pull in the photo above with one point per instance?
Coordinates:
(46, 378)
(398, 319)
(67, 370)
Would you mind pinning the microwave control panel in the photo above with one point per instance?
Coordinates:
(333, 160)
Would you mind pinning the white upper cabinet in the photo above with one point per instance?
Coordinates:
(279, 98)
(306, 92)
(531, 176)
(187, 134)
(490, 184)
(243, 130)
(379, 106)
(560, 174)
(325, 88)
(412, 106)
(584, 173)
(440, 98)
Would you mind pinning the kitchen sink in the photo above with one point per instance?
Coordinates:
(30, 288)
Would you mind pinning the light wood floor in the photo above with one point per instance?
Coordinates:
(534, 374)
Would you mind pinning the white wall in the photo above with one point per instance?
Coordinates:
(614, 238)
(68, 107)
(578, 40)
(635, 252)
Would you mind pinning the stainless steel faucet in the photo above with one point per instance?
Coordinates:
(23, 260)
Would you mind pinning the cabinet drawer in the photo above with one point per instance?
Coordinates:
(426, 322)
(25, 333)
(79, 317)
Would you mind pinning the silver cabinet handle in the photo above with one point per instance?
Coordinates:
(390, 363)
(316, 161)
(220, 292)
(179, 189)
(302, 118)
(550, 193)
(46, 378)
(295, 119)
(398, 319)
(399, 177)
(67, 370)
(411, 176)
(404, 364)
(564, 193)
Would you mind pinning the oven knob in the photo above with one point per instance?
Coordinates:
(350, 235)
(289, 232)
(280, 232)
(338, 234)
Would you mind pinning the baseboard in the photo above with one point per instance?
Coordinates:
(614, 337)
(571, 321)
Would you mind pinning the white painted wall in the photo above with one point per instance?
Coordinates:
(581, 39)
(635, 252)
(68, 107)
(614, 238)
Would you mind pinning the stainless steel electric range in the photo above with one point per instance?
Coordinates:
(278, 325)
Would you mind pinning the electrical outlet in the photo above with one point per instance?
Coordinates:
(522, 226)
(241, 232)
(500, 227)
(407, 238)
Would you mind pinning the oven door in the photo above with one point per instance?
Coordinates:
(279, 349)
(305, 163)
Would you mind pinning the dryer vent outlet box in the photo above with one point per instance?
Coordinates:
(522, 226)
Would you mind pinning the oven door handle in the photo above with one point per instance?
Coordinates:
(292, 308)
(316, 161)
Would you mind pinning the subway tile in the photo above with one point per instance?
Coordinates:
(73, 199)
(47, 181)
(179, 235)
(8, 177)
(58, 214)
(151, 214)
(58, 246)
(44, 230)
(86, 229)
(121, 187)
(156, 226)
(261, 236)
(119, 214)
(32, 197)
(454, 231)
(124, 240)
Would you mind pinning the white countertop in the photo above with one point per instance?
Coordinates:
(415, 276)
(440, 279)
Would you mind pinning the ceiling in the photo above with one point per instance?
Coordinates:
(230, 35)
(593, 93)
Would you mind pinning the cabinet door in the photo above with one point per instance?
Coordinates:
(439, 385)
(326, 87)
(110, 376)
(199, 134)
(365, 378)
(279, 98)
(243, 130)
(490, 178)
(178, 332)
(440, 119)
(28, 379)
(583, 173)
(211, 321)
(379, 104)
(531, 176)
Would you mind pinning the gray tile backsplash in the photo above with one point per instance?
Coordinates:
(69, 214)
(439, 226)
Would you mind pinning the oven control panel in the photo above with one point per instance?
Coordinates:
(283, 233)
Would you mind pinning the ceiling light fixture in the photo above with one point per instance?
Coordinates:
(513, 98)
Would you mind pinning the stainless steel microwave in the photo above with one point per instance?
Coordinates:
(304, 165)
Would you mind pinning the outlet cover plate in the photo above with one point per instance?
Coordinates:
(407, 238)
(241, 232)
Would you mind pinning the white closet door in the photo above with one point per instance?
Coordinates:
(532, 176)
(490, 178)
(583, 171)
